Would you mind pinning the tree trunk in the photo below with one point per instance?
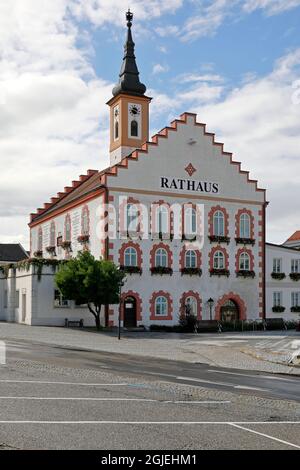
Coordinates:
(96, 314)
(97, 320)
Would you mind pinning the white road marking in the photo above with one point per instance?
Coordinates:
(149, 422)
(250, 375)
(116, 399)
(265, 435)
(66, 383)
(245, 387)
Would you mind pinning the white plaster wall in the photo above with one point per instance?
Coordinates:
(286, 286)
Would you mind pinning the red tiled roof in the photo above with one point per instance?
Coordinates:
(295, 237)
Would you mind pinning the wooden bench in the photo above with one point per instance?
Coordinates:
(274, 324)
(208, 326)
(78, 323)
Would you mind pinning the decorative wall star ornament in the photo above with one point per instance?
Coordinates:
(190, 169)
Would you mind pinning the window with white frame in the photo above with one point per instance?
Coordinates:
(161, 306)
(162, 219)
(295, 299)
(130, 256)
(17, 299)
(219, 260)
(219, 224)
(52, 234)
(161, 258)
(190, 259)
(132, 217)
(191, 306)
(244, 262)
(245, 225)
(277, 299)
(60, 300)
(68, 228)
(295, 266)
(85, 221)
(277, 265)
(190, 221)
(40, 239)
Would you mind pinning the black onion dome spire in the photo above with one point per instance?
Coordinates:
(129, 81)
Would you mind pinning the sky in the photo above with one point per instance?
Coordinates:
(234, 63)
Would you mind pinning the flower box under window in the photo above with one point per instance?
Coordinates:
(189, 238)
(83, 238)
(219, 239)
(66, 245)
(295, 276)
(278, 309)
(220, 272)
(245, 273)
(51, 249)
(278, 276)
(295, 309)
(191, 271)
(38, 254)
(131, 269)
(161, 270)
(245, 241)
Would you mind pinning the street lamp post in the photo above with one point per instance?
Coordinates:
(120, 310)
(210, 303)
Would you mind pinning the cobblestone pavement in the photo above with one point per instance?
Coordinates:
(264, 351)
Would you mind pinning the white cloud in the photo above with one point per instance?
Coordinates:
(159, 68)
(272, 7)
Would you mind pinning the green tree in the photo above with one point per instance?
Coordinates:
(90, 281)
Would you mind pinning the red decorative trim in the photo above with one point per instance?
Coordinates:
(153, 251)
(237, 258)
(161, 293)
(137, 247)
(139, 304)
(196, 295)
(235, 298)
(238, 222)
(212, 253)
(211, 220)
(189, 247)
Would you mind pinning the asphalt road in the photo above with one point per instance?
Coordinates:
(58, 398)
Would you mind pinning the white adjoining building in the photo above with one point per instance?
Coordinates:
(176, 212)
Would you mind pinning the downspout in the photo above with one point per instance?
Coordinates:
(264, 258)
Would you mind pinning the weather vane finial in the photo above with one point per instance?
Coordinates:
(129, 17)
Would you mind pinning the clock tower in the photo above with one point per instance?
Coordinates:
(129, 107)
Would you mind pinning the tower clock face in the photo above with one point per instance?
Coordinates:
(134, 110)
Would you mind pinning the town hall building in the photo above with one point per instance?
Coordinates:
(175, 212)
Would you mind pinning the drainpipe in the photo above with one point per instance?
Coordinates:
(264, 258)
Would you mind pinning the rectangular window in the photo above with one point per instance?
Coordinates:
(277, 265)
(17, 301)
(295, 299)
(59, 300)
(277, 299)
(295, 266)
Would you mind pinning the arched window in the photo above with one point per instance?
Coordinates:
(68, 228)
(85, 221)
(218, 224)
(132, 217)
(190, 259)
(40, 239)
(191, 306)
(134, 128)
(52, 234)
(244, 262)
(190, 221)
(161, 306)
(116, 130)
(162, 219)
(130, 257)
(245, 225)
(219, 260)
(161, 258)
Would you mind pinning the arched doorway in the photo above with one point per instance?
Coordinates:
(230, 311)
(130, 312)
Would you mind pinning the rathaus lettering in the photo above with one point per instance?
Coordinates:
(188, 185)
